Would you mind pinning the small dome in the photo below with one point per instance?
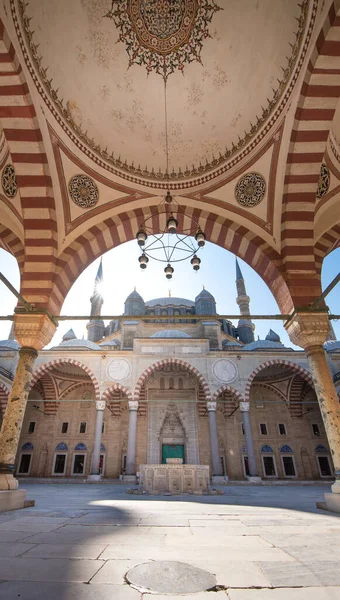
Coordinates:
(10, 344)
(204, 294)
(229, 343)
(265, 345)
(70, 335)
(79, 344)
(169, 301)
(110, 344)
(170, 333)
(134, 296)
(272, 336)
(330, 346)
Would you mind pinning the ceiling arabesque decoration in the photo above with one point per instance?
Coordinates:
(160, 35)
(230, 74)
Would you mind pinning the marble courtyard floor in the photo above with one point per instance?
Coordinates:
(78, 542)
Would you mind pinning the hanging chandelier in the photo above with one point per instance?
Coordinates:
(174, 243)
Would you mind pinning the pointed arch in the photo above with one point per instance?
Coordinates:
(114, 387)
(227, 388)
(66, 361)
(277, 361)
(171, 361)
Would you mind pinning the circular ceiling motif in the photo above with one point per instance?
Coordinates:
(225, 370)
(118, 369)
(163, 36)
(83, 191)
(9, 181)
(324, 181)
(250, 189)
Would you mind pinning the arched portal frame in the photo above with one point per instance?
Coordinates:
(66, 361)
(277, 361)
(227, 388)
(113, 388)
(171, 361)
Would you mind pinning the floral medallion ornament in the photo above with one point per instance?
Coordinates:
(163, 35)
(324, 181)
(9, 181)
(83, 191)
(250, 189)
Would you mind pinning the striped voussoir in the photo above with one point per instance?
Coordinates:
(328, 242)
(277, 361)
(12, 244)
(66, 361)
(113, 231)
(116, 386)
(171, 361)
(4, 392)
(227, 388)
(28, 157)
(313, 119)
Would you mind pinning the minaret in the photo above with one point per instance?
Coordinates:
(245, 326)
(95, 328)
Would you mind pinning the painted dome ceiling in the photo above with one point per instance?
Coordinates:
(104, 64)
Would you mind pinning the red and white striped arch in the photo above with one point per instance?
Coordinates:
(27, 154)
(112, 232)
(277, 361)
(231, 390)
(328, 242)
(171, 361)
(66, 361)
(116, 386)
(313, 118)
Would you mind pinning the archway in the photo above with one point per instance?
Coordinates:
(66, 361)
(171, 361)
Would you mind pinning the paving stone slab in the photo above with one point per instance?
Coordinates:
(13, 549)
(200, 596)
(90, 551)
(56, 569)
(114, 571)
(14, 590)
(289, 574)
(232, 574)
(297, 539)
(328, 572)
(315, 593)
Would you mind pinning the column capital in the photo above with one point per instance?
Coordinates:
(34, 330)
(307, 329)
(133, 405)
(100, 404)
(244, 406)
(211, 406)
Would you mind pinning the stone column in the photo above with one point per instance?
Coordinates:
(100, 407)
(33, 332)
(132, 438)
(215, 454)
(244, 408)
(310, 331)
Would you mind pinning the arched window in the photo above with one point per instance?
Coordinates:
(25, 459)
(102, 448)
(180, 383)
(171, 383)
(267, 449)
(27, 447)
(286, 449)
(62, 447)
(80, 448)
(162, 383)
(321, 448)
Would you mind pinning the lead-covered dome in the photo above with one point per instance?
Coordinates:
(77, 345)
(169, 301)
(170, 333)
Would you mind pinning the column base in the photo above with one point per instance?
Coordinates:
(129, 479)
(8, 482)
(254, 479)
(12, 499)
(94, 477)
(336, 487)
(219, 479)
(333, 502)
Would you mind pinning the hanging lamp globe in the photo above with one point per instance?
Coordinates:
(168, 197)
(168, 271)
(141, 237)
(196, 262)
(171, 224)
(143, 261)
(200, 238)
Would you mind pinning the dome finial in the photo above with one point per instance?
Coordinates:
(169, 293)
(134, 288)
(204, 287)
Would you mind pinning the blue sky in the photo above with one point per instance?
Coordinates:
(122, 273)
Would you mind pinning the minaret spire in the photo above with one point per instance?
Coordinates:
(245, 326)
(96, 327)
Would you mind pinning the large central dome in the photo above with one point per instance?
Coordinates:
(104, 64)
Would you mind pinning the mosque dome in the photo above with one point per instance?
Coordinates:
(169, 301)
(264, 345)
(204, 295)
(110, 344)
(170, 333)
(134, 296)
(10, 344)
(78, 344)
(69, 335)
